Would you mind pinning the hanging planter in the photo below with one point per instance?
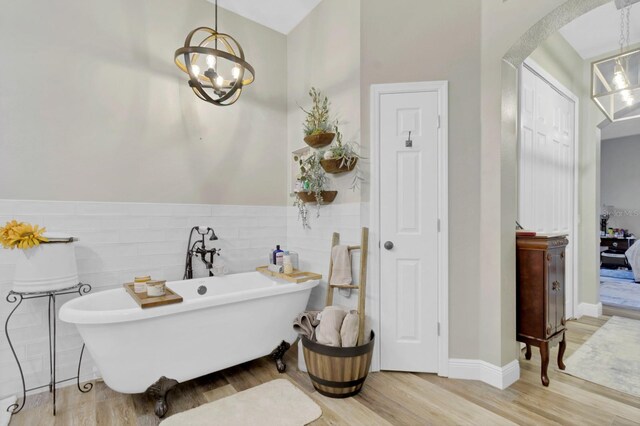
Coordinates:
(312, 181)
(317, 128)
(319, 140)
(342, 158)
(336, 166)
(310, 197)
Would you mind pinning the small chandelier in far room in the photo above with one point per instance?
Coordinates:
(615, 84)
(215, 75)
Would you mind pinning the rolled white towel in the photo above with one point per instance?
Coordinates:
(328, 331)
(349, 330)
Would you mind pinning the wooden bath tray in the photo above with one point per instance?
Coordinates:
(145, 301)
(294, 277)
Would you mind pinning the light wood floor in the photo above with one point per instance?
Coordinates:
(621, 312)
(387, 398)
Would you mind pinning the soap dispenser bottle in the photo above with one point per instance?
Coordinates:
(275, 254)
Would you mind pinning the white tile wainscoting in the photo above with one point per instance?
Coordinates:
(314, 245)
(116, 242)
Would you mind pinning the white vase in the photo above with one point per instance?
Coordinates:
(46, 267)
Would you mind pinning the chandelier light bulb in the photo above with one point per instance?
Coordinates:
(211, 61)
(235, 72)
(219, 80)
(618, 81)
(619, 77)
(195, 69)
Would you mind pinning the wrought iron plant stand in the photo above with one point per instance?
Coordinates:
(19, 297)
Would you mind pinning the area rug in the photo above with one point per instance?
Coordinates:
(611, 357)
(620, 294)
(277, 403)
(616, 274)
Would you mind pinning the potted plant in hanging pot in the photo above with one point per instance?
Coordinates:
(340, 158)
(313, 181)
(317, 128)
(311, 187)
(46, 263)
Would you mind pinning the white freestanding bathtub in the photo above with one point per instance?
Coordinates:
(240, 317)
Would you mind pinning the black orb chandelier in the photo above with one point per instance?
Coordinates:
(217, 74)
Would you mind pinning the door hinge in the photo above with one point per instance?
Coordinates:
(438, 122)
(438, 329)
(438, 225)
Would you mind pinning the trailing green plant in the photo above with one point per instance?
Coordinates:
(303, 212)
(348, 154)
(313, 177)
(317, 120)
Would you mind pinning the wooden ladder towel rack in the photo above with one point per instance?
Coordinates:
(362, 287)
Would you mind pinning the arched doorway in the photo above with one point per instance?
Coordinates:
(509, 77)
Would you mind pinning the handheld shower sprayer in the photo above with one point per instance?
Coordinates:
(204, 230)
(199, 249)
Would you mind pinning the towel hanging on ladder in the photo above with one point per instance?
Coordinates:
(341, 266)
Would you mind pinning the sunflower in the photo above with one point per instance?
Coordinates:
(6, 231)
(22, 235)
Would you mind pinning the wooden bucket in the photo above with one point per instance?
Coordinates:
(337, 372)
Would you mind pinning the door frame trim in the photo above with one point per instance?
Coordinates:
(534, 67)
(442, 89)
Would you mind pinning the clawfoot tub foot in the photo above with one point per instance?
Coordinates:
(158, 392)
(278, 354)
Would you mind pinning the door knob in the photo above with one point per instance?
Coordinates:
(388, 245)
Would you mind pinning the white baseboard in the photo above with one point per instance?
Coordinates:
(589, 309)
(475, 369)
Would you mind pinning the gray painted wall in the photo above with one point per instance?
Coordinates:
(438, 41)
(620, 178)
(92, 107)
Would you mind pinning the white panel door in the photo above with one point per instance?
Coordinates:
(546, 165)
(409, 221)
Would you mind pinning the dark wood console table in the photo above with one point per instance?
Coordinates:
(540, 293)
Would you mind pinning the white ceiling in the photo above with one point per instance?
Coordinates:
(598, 32)
(279, 15)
